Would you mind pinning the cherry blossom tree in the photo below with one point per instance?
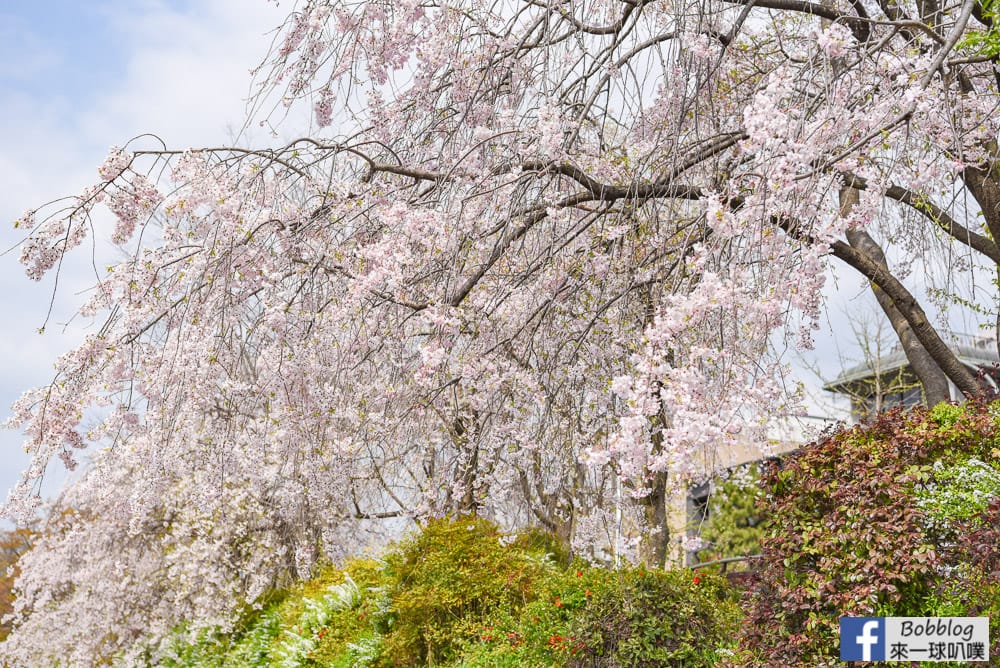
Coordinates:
(534, 260)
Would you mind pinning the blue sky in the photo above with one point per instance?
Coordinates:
(52, 50)
(76, 78)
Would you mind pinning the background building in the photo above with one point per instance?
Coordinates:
(879, 384)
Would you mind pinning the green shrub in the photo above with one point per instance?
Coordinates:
(957, 494)
(310, 625)
(455, 594)
(539, 632)
(652, 618)
(585, 616)
(539, 542)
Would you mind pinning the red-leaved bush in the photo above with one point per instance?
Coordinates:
(849, 535)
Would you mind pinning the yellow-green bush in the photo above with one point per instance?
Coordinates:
(443, 581)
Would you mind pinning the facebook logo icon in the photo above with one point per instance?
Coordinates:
(862, 638)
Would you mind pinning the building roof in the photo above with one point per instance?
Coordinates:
(973, 351)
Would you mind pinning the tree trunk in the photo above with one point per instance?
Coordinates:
(555, 511)
(467, 472)
(983, 184)
(656, 540)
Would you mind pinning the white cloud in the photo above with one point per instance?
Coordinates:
(188, 77)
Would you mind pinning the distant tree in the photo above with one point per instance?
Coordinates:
(735, 519)
(13, 544)
(530, 261)
(873, 380)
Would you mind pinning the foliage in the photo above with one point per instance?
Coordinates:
(985, 42)
(650, 618)
(308, 625)
(589, 616)
(443, 581)
(855, 530)
(973, 588)
(534, 540)
(454, 595)
(735, 521)
(957, 495)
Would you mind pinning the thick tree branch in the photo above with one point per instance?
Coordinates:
(936, 215)
(903, 300)
(914, 314)
(859, 26)
(944, 221)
